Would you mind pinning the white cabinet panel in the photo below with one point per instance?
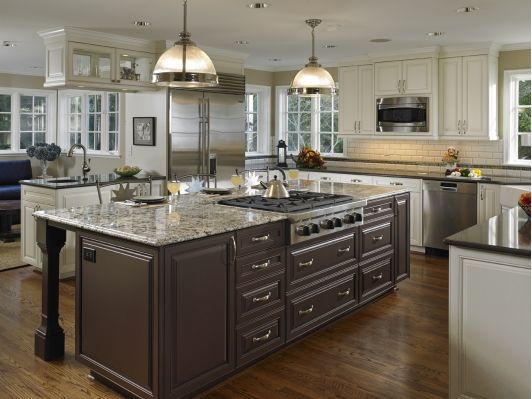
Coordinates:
(475, 96)
(417, 76)
(450, 95)
(366, 100)
(416, 219)
(388, 76)
(488, 201)
(356, 102)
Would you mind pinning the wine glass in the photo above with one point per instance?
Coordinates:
(237, 180)
(173, 187)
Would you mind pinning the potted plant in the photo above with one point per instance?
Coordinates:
(44, 153)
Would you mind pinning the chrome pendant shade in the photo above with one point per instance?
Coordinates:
(185, 64)
(312, 80)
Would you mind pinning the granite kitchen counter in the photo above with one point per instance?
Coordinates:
(77, 181)
(192, 216)
(508, 233)
(420, 175)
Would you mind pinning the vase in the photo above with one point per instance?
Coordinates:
(44, 169)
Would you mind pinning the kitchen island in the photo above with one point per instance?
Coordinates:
(173, 298)
(489, 308)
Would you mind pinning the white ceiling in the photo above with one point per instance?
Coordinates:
(278, 31)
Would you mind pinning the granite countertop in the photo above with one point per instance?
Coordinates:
(421, 175)
(56, 183)
(192, 216)
(508, 232)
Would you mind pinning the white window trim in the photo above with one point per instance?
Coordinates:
(63, 123)
(263, 118)
(15, 116)
(281, 127)
(509, 117)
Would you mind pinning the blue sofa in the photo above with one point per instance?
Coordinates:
(11, 172)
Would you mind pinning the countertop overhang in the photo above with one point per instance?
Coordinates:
(192, 216)
(57, 183)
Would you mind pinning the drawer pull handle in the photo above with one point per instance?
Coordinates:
(306, 264)
(265, 337)
(306, 311)
(378, 238)
(396, 183)
(377, 277)
(345, 293)
(262, 298)
(376, 210)
(356, 181)
(261, 265)
(342, 251)
(261, 238)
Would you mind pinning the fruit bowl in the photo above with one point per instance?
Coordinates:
(524, 202)
(127, 171)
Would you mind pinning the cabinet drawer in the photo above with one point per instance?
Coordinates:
(260, 338)
(401, 182)
(38, 195)
(259, 265)
(311, 261)
(260, 238)
(253, 301)
(378, 208)
(375, 277)
(376, 237)
(310, 310)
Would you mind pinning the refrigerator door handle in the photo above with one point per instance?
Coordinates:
(207, 135)
(201, 135)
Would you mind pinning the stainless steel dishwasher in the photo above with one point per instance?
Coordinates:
(448, 207)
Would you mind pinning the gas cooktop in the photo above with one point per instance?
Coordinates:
(297, 202)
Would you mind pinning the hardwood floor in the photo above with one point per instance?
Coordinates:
(395, 348)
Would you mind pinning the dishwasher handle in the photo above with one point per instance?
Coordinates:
(445, 186)
(453, 189)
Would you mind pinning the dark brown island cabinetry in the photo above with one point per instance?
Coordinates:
(169, 322)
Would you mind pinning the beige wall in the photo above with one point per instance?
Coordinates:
(23, 81)
(518, 59)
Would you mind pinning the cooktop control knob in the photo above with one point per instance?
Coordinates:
(303, 230)
(314, 228)
(349, 218)
(327, 224)
(337, 222)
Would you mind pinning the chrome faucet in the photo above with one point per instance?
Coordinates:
(85, 168)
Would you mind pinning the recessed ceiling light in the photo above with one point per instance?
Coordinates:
(275, 59)
(432, 34)
(7, 43)
(467, 9)
(329, 46)
(258, 5)
(380, 40)
(141, 23)
(241, 42)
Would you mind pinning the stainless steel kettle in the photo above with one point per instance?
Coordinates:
(275, 189)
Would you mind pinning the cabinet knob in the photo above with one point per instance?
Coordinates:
(306, 264)
(306, 311)
(377, 277)
(265, 337)
(345, 293)
(264, 298)
(342, 251)
(378, 238)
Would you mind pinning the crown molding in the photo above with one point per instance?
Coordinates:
(515, 46)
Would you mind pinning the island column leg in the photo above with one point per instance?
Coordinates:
(49, 337)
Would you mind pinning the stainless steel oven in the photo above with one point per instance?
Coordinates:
(403, 114)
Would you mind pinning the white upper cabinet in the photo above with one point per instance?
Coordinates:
(77, 58)
(356, 100)
(468, 103)
(403, 77)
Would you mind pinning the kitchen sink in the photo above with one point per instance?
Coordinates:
(62, 181)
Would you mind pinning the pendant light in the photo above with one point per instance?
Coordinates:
(312, 80)
(185, 64)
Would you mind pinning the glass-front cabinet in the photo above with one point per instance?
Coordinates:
(101, 64)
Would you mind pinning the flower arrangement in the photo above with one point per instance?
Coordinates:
(44, 153)
(309, 158)
(450, 156)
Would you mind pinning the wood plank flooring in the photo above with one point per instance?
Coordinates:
(395, 348)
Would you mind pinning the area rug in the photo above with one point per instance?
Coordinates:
(10, 255)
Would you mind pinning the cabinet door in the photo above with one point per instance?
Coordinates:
(90, 63)
(475, 96)
(450, 84)
(387, 78)
(28, 245)
(356, 179)
(416, 219)
(402, 234)
(488, 201)
(366, 100)
(417, 75)
(134, 68)
(199, 313)
(348, 100)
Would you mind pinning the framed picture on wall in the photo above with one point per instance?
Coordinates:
(144, 131)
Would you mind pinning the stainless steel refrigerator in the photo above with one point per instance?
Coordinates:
(207, 130)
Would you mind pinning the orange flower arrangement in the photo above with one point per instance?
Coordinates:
(309, 158)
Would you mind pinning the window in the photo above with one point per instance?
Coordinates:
(92, 119)
(517, 115)
(25, 118)
(309, 122)
(257, 113)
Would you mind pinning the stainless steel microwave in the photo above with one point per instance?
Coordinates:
(403, 114)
